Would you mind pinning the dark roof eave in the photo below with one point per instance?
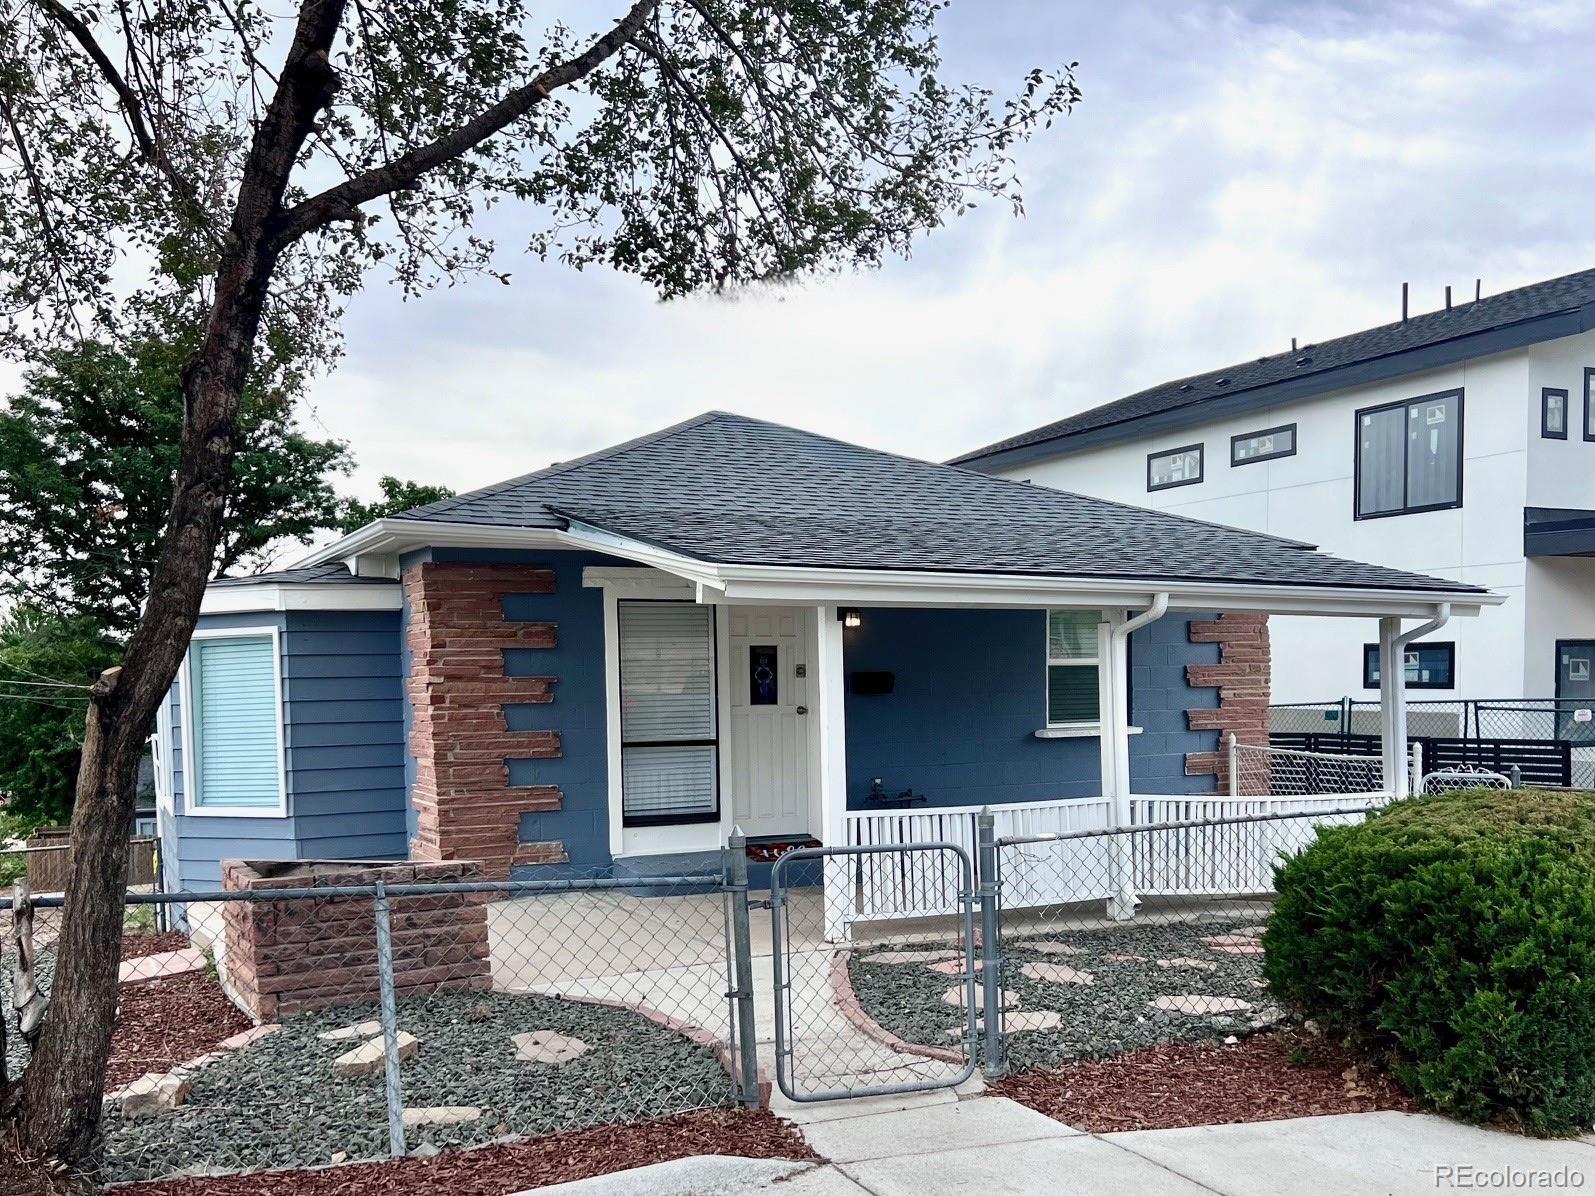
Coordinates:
(1200, 409)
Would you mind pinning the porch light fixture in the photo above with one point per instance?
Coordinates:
(849, 616)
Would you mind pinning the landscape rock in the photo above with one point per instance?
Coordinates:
(1200, 965)
(1057, 973)
(547, 1046)
(363, 1030)
(154, 1094)
(440, 1115)
(369, 1057)
(1194, 1003)
(1007, 998)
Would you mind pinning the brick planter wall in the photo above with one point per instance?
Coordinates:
(457, 634)
(287, 957)
(1243, 679)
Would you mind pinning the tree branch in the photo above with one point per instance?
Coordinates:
(46, 225)
(343, 201)
(132, 107)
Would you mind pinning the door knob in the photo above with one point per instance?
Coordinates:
(803, 709)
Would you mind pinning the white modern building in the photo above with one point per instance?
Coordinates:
(1458, 443)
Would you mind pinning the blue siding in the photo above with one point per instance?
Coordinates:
(581, 771)
(970, 694)
(343, 740)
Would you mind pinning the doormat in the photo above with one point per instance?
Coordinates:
(769, 851)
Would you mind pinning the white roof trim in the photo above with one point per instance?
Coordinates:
(228, 600)
(901, 587)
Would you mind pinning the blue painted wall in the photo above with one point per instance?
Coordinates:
(343, 743)
(970, 694)
(577, 712)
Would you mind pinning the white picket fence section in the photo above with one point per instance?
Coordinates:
(1223, 859)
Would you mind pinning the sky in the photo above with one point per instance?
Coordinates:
(1237, 174)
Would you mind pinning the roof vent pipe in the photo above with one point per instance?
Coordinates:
(1478, 289)
(1292, 344)
(1404, 303)
(1448, 298)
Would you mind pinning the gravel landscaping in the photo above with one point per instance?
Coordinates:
(1104, 983)
(277, 1104)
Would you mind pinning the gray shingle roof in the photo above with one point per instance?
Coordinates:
(327, 573)
(733, 490)
(1329, 361)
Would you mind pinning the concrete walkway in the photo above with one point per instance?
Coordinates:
(935, 1143)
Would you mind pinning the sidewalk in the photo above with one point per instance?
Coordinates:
(935, 1143)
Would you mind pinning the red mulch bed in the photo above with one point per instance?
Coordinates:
(534, 1163)
(137, 946)
(1264, 1077)
(18, 1178)
(161, 1023)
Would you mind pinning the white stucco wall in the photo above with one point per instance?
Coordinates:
(1310, 496)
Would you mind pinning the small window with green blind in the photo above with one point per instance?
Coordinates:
(234, 762)
(1072, 685)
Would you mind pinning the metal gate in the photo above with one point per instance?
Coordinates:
(827, 1047)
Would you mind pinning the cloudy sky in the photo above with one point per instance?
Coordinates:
(1238, 174)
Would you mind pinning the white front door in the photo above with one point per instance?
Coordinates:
(769, 733)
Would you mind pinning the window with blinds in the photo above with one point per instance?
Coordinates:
(669, 748)
(232, 702)
(1072, 667)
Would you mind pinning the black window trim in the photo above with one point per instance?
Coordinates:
(714, 674)
(1356, 444)
(1200, 449)
(1368, 651)
(1234, 443)
(1545, 424)
(1589, 407)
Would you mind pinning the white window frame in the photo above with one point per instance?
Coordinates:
(1080, 726)
(192, 808)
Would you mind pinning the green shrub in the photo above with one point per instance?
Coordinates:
(1455, 935)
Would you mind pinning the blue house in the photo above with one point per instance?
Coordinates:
(609, 663)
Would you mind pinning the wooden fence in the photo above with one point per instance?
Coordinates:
(50, 857)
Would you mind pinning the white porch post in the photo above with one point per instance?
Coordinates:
(1393, 707)
(1115, 731)
(830, 689)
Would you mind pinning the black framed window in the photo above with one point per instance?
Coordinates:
(1589, 403)
(1267, 445)
(1409, 456)
(669, 733)
(1553, 413)
(1429, 666)
(1174, 467)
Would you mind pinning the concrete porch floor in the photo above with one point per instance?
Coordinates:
(669, 954)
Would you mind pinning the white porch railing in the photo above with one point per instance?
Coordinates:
(1226, 858)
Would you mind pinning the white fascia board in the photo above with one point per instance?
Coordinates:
(321, 596)
(892, 588)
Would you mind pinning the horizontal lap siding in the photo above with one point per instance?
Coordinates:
(343, 701)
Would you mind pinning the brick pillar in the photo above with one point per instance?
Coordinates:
(457, 633)
(1242, 678)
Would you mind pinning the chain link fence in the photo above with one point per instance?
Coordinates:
(323, 1013)
(1120, 939)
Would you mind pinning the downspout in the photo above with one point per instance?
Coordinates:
(1396, 692)
(1122, 904)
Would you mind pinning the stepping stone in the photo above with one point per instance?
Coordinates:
(369, 1057)
(161, 965)
(900, 957)
(547, 1046)
(1057, 973)
(1231, 940)
(363, 1031)
(1201, 965)
(244, 1037)
(1240, 948)
(1194, 1004)
(954, 967)
(440, 1115)
(1128, 958)
(154, 1094)
(1049, 948)
(1015, 1023)
(1254, 931)
(1006, 998)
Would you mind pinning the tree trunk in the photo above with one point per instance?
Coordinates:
(57, 1103)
